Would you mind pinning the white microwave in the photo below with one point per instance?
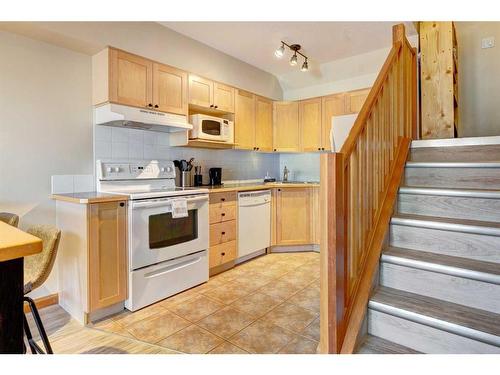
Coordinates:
(211, 128)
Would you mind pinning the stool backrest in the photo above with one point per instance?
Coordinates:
(37, 267)
(11, 219)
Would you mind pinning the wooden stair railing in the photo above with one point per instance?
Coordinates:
(359, 185)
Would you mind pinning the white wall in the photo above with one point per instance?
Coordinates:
(45, 126)
(478, 79)
(154, 41)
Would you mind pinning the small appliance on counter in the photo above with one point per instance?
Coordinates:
(215, 175)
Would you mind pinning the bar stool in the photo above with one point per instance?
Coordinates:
(11, 219)
(36, 270)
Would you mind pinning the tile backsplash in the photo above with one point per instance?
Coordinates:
(135, 144)
(302, 167)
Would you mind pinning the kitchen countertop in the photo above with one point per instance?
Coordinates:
(258, 186)
(89, 197)
(14, 243)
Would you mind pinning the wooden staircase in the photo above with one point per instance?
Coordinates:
(438, 286)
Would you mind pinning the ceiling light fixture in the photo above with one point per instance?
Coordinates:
(294, 59)
(280, 51)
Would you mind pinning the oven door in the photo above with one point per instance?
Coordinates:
(155, 236)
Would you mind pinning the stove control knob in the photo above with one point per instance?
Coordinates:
(169, 169)
(162, 169)
(116, 169)
(109, 169)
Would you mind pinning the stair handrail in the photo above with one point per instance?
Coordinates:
(358, 187)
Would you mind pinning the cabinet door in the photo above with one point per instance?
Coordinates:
(310, 125)
(355, 100)
(107, 254)
(332, 105)
(223, 97)
(293, 216)
(201, 91)
(244, 120)
(131, 79)
(170, 86)
(263, 124)
(286, 126)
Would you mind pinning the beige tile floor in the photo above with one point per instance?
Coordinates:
(267, 305)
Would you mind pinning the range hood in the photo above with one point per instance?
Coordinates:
(139, 118)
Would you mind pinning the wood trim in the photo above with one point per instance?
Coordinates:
(363, 288)
(51, 299)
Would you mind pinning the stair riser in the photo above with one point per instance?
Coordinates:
(463, 153)
(465, 245)
(473, 293)
(422, 337)
(451, 207)
(470, 178)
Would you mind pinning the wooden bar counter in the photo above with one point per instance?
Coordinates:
(14, 246)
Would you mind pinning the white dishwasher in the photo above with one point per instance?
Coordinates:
(254, 222)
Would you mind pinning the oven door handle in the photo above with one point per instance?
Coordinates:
(164, 203)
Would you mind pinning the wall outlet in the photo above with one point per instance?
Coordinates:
(488, 42)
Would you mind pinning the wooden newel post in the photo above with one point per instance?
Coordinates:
(333, 253)
(398, 33)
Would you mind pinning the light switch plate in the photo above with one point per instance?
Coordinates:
(488, 42)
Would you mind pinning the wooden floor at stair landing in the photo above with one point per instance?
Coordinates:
(267, 305)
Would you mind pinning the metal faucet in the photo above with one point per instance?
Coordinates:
(285, 174)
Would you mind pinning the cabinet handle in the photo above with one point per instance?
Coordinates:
(150, 105)
(319, 148)
(122, 204)
(223, 254)
(157, 106)
(223, 214)
(279, 189)
(223, 199)
(215, 106)
(211, 105)
(274, 149)
(223, 233)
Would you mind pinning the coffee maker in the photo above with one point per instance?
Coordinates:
(215, 175)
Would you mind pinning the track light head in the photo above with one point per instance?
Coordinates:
(305, 66)
(280, 51)
(293, 60)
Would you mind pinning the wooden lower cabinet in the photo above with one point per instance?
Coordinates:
(107, 254)
(293, 213)
(223, 230)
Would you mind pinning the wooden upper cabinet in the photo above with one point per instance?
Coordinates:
(332, 105)
(263, 124)
(286, 126)
(293, 216)
(355, 100)
(107, 254)
(223, 97)
(170, 89)
(311, 136)
(131, 79)
(201, 91)
(244, 120)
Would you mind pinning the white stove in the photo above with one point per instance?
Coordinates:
(166, 254)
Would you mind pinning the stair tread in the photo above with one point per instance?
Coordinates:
(447, 220)
(445, 260)
(479, 320)
(453, 164)
(377, 345)
(456, 192)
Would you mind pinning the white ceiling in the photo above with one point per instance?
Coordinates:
(255, 42)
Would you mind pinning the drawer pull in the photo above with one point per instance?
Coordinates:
(223, 214)
(223, 199)
(223, 254)
(223, 233)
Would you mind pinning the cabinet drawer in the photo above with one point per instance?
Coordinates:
(220, 213)
(222, 253)
(224, 199)
(222, 232)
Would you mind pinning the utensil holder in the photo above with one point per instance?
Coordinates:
(186, 179)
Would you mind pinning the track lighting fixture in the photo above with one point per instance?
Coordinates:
(279, 53)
